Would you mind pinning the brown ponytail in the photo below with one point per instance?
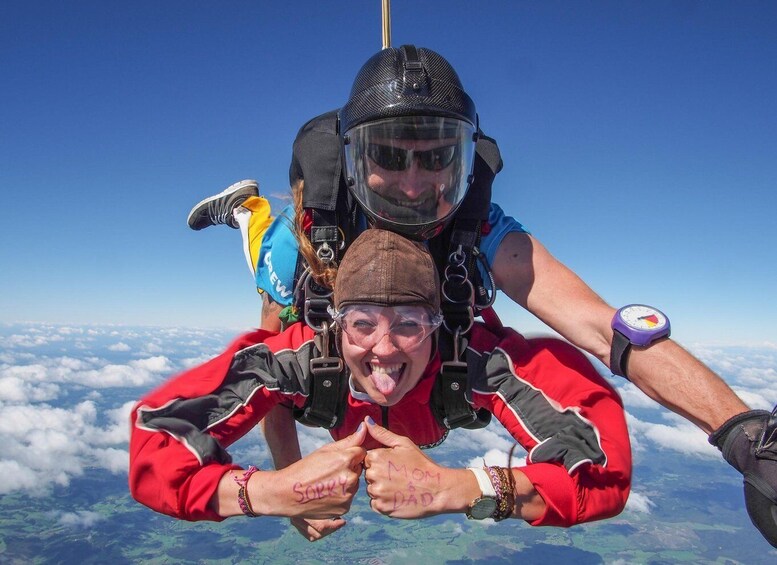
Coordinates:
(324, 275)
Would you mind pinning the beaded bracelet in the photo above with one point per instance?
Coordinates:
(502, 480)
(501, 501)
(508, 493)
(242, 493)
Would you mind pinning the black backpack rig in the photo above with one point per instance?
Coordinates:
(335, 218)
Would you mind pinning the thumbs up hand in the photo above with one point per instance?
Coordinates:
(320, 486)
(402, 482)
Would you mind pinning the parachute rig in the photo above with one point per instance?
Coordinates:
(334, 217)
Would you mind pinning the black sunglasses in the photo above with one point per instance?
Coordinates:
(397, 159)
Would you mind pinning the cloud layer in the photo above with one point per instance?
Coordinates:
(66, 393)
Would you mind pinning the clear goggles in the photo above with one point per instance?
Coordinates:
(412, 170)
(407, 326)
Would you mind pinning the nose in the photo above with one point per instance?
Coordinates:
(411, 181)
(384, 346)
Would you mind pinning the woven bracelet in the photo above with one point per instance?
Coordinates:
(508, 492)
(499, 487)
(242, 493)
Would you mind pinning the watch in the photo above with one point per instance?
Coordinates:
(485, 505)
(635, 324)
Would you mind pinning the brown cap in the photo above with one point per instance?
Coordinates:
(385, 268)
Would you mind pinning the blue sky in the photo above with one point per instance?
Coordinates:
(638, 138)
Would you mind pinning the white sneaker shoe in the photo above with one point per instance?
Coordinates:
(218, 209)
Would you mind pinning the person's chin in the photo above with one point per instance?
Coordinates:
(391, 400)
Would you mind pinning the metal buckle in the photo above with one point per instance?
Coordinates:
(459, 294)
(315, 308)
(479, 256)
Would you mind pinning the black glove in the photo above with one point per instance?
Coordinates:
(749, 443)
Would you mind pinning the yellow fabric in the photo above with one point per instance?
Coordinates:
(261, 219)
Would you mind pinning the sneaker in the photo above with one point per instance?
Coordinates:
(217, 209)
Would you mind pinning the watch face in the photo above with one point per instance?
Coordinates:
(644, 318)
(483, 507)
(641, 324)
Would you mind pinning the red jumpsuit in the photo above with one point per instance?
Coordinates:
(544, 391)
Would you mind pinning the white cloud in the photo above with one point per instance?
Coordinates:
(150, 348)
(80, 519)
(91, 372)
(639, 503)
(47, 446)
(682, 436)
(14, 476)
(66, 330)
(498, 458)
(114, 460)
(756, 400)
(494, 437)
(72, 364)
(752, 369)
(158, 364)
(121, 346)
(26, 373)
(311, 439)
(17, 340)
(634, 398)
(193, 361)
(17, 390)
(135, 373)
(117, 431)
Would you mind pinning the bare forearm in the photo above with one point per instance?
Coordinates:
(529, 505)
(532, 277)
(267, 493)
(463, 489)
(225, 499)
(673, 377)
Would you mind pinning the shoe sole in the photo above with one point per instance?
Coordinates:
(250, 184)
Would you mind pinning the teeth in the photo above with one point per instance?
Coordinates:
(425, 203)
(385, 377)
(386, 369)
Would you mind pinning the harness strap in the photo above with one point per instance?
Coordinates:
(449, 402)
(328, 387)
(449, 396)
(323, 233)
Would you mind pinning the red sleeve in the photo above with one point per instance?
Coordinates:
(168, 478)
(569, 419)
(168, 475)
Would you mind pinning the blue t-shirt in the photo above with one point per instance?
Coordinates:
(277, 259)
(501, 225)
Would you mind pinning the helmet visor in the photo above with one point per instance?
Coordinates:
(412, 170)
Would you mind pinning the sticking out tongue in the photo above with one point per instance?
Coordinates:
(385, 377)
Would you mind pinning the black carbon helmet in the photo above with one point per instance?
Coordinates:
(409, 133)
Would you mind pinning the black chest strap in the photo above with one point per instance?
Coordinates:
(327, 397)
(449, 396)
(459, 279)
